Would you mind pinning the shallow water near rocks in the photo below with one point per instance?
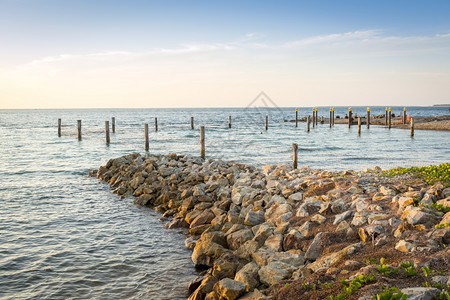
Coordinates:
(64, 235)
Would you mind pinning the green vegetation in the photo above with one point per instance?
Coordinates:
(428, 174)
(408, 268)
(443, 225)
(337, 297)
(444, 295)
(388, 294)
(384, 269)
(357, 283)
(371, 261)
(439, 207)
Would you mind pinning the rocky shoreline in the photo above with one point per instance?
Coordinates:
(279, 233)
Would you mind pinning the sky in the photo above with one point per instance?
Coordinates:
(151, 54)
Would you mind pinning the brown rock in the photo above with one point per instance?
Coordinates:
(203, 218)
(229, 289)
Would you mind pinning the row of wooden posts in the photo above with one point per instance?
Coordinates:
(309, 120)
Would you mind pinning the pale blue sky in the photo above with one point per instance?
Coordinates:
(103, 53)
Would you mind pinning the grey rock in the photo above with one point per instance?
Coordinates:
(275, 272)
(254, 218)
(341, 217)
(420, 293)
(316, 247)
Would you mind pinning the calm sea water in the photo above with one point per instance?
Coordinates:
(64, 235)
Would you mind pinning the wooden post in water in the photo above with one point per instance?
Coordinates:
(156, 124)
(307, 123)
(332, 117)
(267, 122)
(113, 125)
(294, 156)
(146, 136)
(296, 117)
(229, 121)
(107, 132)
(368, 118)
(359, 125)
(317, 116)
(59, 127)
(192, 122)
(349, 117)
(321, 120)
(390, 117)
(412, 127)
(313, 117)
(79, 129)
(202, 142)
(404, 115)
(385, 116)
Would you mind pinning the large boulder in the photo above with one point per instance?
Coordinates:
(204, 217)
(229, 289)
(274, 272)
(208, 248)
(248, 275)
(415, 215)
(238, 238)
(421, 293)
(289, 258)
(316, 247)
(225, 266)
(254, 217)
(326, 261)
(205, 287)
(276, 210)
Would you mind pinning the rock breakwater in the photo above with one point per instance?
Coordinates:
(265, 233)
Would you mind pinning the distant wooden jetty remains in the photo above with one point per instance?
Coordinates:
(388, 120)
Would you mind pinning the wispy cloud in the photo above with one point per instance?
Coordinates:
(251, 46)
(335, 38)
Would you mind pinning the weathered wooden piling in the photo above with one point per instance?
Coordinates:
(79, 129)
(296, 117)
(313, 117)
(390, 117)
(267, 122)
(192, 122)
(412, 127)
(359, 125)
(385, 116)
(404, 115)
(229, 121)
(349, 117)
(156, 124)
(331, 117)
(146, 137)
(113, 125)
(294, 156)
(308, 120)
(59, 127)
(202, 142)
(108, 140)
(368, 118)
(321, 120)
(317, 116)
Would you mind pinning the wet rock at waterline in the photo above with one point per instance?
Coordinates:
(253, 229)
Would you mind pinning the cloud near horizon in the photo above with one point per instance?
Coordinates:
(241, 68)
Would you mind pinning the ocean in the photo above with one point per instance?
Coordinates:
(64, 235)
